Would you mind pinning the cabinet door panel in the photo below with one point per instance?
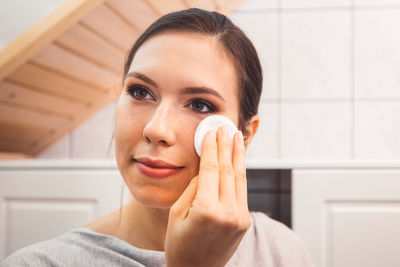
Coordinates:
(53, 201)
(348, 217)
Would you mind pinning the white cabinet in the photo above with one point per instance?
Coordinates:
(41, 201)
(348, 217)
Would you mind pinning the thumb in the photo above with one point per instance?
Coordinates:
(182, 206)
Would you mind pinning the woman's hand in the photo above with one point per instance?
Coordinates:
(208, 221)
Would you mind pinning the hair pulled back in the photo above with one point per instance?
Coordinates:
(235, 42)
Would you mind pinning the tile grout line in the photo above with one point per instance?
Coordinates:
(352, 80)
(279, 80)
(332, 8)
(331, 100)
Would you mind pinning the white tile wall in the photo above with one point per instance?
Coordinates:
(377, 53)
(377, 130)
(92, 138)
(258, 5)
(261, 28)
(265, 142)
(316, 60)
(331, 88)
(58, 150)
(314, 3)
(316, 130)
(376, 2)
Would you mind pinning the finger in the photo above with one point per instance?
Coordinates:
(209, 173)
(239, 167)
(182, 206)
(226, 173)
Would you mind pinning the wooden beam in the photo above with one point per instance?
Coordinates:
(13, 156)
(137, 12)
(64, 61)
(43, 32)
(109, 24)
(165, 7)
(90, 45)
(55, 83)
(55, 135)
(55, 106)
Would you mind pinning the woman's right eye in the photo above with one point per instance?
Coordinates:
(139, 92)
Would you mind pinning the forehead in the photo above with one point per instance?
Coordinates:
(188, 59)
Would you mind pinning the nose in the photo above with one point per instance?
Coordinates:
(160, 128)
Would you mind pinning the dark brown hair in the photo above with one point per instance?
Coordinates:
(235, 42)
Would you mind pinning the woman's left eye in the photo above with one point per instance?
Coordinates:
(202, 106)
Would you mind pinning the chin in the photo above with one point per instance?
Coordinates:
(158, 200)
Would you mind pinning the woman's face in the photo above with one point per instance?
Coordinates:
(175, 80)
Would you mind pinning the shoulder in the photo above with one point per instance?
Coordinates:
(51, 252)
(84, 247)
(275, 243)
(266, 227)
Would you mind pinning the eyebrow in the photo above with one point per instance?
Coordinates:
(201, 90)
(193, 90)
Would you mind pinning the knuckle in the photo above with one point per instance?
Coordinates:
(207, 217)
(209, 165)
(239, 223)
(226, 168)
(245, 223)
(241, 174)
(230, 219)
(206, 211)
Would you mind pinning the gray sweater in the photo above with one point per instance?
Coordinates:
(266, 243)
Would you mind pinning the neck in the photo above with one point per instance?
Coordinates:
(143, 227)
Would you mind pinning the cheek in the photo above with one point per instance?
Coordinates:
(188, 143)
(126, 124)
(126, 131)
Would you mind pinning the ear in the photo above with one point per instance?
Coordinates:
(251, 129)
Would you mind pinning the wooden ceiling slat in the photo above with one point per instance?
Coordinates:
(10, 114)
(86, 42)
(137, 12)
(8, 145)
(16, 94)
(14, 155)
(57, 58)
(39, 143)
(203, 4)
(57, 133)
(15, 133)
(34, 76)
(43, 32)
(104, 21)
(164, 7)
(227, 6)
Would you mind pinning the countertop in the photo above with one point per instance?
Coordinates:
(251, 164)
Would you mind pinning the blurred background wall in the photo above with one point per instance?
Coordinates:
(331, 83)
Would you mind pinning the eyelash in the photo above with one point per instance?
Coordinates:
(134, 88)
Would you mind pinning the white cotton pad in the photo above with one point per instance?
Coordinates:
(212, 123)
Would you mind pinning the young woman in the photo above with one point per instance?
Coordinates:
(186, 210)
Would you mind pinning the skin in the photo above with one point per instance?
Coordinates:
(206, 200)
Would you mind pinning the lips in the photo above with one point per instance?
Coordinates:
(156, 168)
